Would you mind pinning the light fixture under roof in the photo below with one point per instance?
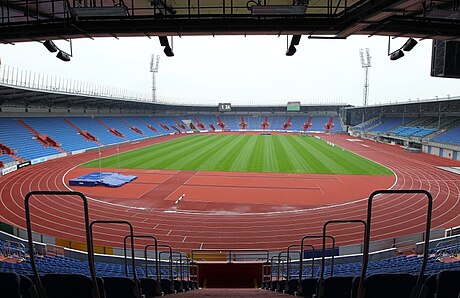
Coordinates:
(49, 44)
(409, 45)
(63, 56)
(94, 12)
(278, 10)
(396, 55)
(291, 50)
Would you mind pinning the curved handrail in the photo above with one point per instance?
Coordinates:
(131, 235)
(170, 251)
(288, 265)
(89, 245)
(314, 237)
(323, 257)
(280, 262)
(146, 265)
(367, 236)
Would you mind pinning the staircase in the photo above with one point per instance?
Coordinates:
(7, 150)
(85, 134)
(112, 130)
(133, 128)
(161, 124)
(45, 140)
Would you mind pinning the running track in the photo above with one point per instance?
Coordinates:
(393, 216)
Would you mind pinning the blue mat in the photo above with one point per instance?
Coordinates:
(109, 179)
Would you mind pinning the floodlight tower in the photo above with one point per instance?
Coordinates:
(154, 63)
(365, 63)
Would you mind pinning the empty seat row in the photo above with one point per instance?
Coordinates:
(13, 285)
(445, 284)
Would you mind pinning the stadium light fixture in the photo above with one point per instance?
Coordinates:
(409, 45)
(294, 42)
(291, 50)
(53, 48)
(278, 10)
(168, 51)
(396, 55)
(165, 43)
(63, 56)
(49, 44)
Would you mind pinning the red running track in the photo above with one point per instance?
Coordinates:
(395, 215)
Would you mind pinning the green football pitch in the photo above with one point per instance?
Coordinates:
(245, 153)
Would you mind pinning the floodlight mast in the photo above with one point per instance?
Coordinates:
(365, 63)
(154, 63)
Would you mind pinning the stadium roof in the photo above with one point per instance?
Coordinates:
(28, 98)
(49, 19)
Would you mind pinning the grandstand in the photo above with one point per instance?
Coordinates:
(172, 266)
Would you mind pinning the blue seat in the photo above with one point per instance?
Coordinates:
(387, 285)
(10, 285)
(28, 289)
(337, 287)
(448, 284)
(68, 285)
(150, 287)
(120, 287)
(167, 286)
(307, 287)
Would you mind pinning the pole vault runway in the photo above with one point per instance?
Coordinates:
(237, 210)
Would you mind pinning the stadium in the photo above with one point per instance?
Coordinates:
(109, 195)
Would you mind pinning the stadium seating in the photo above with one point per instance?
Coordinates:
(18, 138)
(97, 130)
(451, 137)
(67, 285)
(10, 284)
(406, 131)
(67, 132)
(6, 158)
(60, 131)
(387, 124)
(123, 127)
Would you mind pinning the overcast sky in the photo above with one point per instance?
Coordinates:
(244, 70)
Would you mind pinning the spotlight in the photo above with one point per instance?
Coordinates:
(163, 41)
(49, 44)
(295, 39)
(291, 50)
(410, 43)
(396, 55)
(168, 51)
(63, 56)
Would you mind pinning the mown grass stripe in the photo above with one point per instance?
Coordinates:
(246, 153)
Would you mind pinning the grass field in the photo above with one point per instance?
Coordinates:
(246, 153)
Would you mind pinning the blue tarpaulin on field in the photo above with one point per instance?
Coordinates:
(109, 179)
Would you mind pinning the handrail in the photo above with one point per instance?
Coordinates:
(323, 257)
(280, 262)
(271, 266)
(131, 235)
(180, 275)
(170, 259)
(367, 236)
(41, 291)
(156, 253)
(300, 256)
(314, 237)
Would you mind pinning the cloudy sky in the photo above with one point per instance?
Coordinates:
(244, 70)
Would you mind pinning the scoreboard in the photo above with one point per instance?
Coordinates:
(293, 106)
(225, 107)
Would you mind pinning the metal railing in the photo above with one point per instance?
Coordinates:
(367, 236)
(89, 244)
